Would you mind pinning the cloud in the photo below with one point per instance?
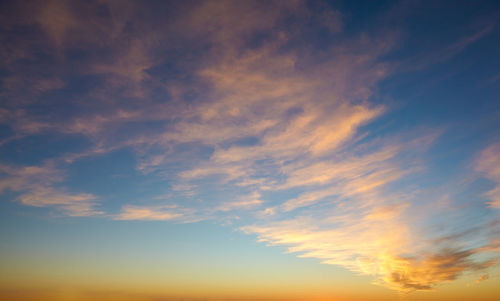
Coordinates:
(373, 246)
(488, 163)
(482, 278)
(443, 54)
(71, 204)
(36, 185)
(261, 95)
(56, 20)
(228, 25)
(250, 201)
(147, 213)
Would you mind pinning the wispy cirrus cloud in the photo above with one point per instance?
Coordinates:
(379, 243)
(36, 186)
(147, 213)
(488, 163)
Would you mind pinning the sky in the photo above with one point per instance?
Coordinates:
(249, 150)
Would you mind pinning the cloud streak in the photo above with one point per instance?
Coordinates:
(37, 187)
(488, 164)
(373, 246)
(147, 213)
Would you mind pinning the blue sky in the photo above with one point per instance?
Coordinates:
(350, 140)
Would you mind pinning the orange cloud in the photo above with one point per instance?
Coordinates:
(372, 246)
(482, 278)
(147, 213)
